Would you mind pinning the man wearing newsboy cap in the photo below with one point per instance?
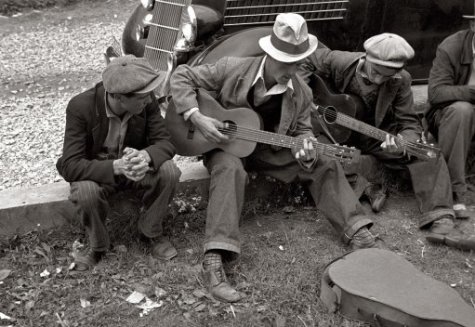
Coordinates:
(267, 84)
(116, 139)
(379, 79)
(451, 115)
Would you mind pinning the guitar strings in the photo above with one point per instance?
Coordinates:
(284, 140)
(416, 147)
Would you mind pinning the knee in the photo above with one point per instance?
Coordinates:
(460, 112)
(86, 193)
(229, 168)
(169, 172)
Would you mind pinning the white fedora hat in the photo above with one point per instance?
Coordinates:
(289, 41)
(470, 14)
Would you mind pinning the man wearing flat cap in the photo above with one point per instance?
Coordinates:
(379, 79)
(116, 139)
(268, 85)
(451, 115)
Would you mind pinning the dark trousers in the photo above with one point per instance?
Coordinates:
(454, 128)
(91, 201)
(430, 180)
(326, 182)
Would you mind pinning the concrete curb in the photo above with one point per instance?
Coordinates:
(47, 206)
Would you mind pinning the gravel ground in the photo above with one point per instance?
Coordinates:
(46, 57)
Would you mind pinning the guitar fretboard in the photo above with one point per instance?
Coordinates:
(420, 150)
(285, 141)
(164, 31)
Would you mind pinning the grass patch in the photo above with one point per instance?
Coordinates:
(284, 254)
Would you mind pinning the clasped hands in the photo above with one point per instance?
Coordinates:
(134, 164)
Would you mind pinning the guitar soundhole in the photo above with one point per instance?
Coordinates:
(329, 115)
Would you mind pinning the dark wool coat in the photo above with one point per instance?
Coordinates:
(395, 100)
(86, 130)
(450, 73)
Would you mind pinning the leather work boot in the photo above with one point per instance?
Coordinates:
(215, 279)
(442, 226)
(87, 260)
(363, 239)
(377, 196)
(163, 249)
(460, 206)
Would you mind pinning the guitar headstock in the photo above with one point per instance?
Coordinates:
(423, 150)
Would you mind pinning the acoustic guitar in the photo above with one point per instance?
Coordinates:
(325, 103)
(243, 125)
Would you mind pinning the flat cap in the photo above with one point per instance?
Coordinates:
(129, 74)
(388, 50)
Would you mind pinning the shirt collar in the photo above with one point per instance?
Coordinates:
(260, 76)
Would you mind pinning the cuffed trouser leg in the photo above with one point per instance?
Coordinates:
(336, 199)
(432, 188)
(90, 200)
(159, 190)
(456, 131)
(226, 198)
(328, 185)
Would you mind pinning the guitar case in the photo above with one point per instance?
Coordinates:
(382, 288)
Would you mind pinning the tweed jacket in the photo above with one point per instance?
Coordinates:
(231, 79)
(86, 130)
(450, 73)
(394, 105)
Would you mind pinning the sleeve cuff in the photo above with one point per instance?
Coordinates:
(187, 114)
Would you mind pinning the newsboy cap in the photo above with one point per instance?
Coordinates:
(388, 50)
(129, 74)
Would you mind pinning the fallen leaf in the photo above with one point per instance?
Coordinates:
(29, 305)
(160, 293)
(148, 306)
(45, 273)
(200, 307)
(135, 297)
(4, 273)
(199, 294)
(4, 317)
(85, 303)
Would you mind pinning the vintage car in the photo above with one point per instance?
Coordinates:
(231, 27)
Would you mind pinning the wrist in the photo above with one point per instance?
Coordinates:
(117, 166)
(195, 116)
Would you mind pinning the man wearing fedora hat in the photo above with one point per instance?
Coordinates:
(378, 77)
(267, 84)
(115, 139)
(451, 115)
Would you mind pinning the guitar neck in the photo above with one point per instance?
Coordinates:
(164, 31)
(284, 141)
(420, 150)
(359, 126)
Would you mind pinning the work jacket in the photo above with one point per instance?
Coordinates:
(87, 126)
